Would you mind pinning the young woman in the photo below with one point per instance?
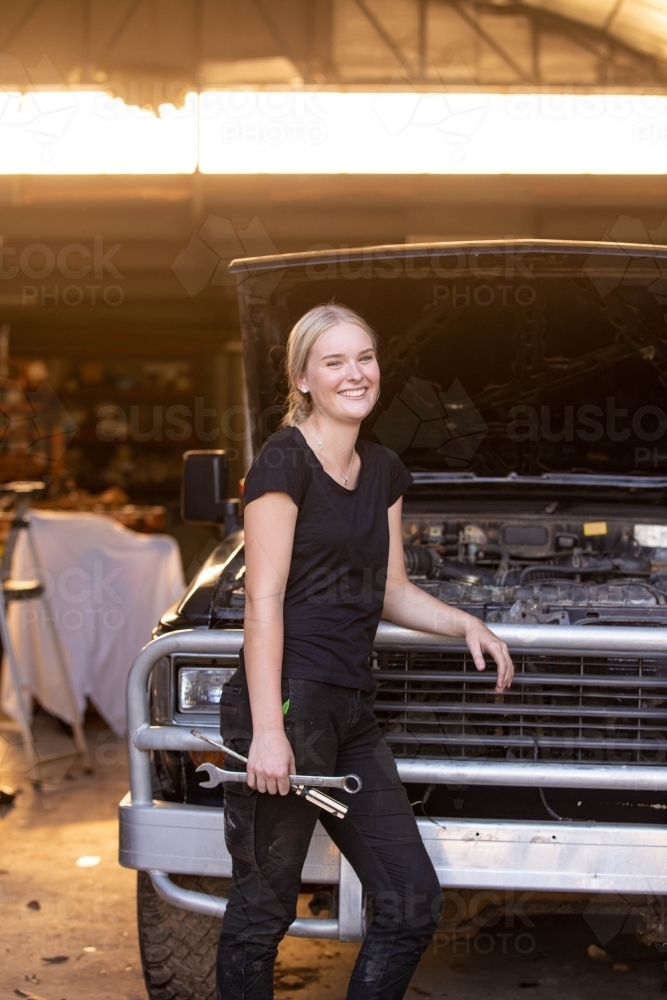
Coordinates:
(324, 562)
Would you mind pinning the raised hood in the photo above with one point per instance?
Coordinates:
(524, 359)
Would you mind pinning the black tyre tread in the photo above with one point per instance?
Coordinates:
(178, 947)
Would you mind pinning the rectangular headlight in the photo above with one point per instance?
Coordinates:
(200, 688)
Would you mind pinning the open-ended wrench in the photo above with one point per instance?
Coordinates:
(302, 784)
(217, 776)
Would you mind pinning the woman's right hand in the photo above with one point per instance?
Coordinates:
(270, 762)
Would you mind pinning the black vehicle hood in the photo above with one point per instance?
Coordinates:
(501, 361)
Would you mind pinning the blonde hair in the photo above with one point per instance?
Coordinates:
(301, 339)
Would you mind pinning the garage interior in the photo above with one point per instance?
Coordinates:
(120, 355)
(111, 364)
(146, 360)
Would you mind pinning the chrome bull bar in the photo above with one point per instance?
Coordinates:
(575, 640)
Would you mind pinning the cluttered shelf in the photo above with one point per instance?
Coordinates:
(88, 436)
(126, 395)
(95, 424)
(113, 502)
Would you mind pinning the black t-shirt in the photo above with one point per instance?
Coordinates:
(338, 573)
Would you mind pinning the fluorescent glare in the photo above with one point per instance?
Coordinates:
(88, 132)
(324, 132)
(411, 133)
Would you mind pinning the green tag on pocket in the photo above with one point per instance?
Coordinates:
(286, 707)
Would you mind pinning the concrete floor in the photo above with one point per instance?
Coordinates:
(69, 932)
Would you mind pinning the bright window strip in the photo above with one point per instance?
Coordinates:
(410, 133)
(88, 132)
(324, 132)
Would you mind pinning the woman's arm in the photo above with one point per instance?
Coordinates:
(269, 535)
(407, 605)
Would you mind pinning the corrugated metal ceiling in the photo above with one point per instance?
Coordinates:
(142, 49)
(640, 24)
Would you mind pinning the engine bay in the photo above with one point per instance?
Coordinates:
(544, 568)
(521, 568)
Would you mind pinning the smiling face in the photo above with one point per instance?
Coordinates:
(342, 374)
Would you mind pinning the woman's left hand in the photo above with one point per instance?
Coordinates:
(480, 640)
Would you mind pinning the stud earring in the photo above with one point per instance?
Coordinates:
(303, 390)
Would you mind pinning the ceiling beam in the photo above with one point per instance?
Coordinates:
(394, 48)
(489, 39)
(281, 40)
(20, 24)
(302, 32)
(130, 11)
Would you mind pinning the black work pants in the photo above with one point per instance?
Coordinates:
(332, 730)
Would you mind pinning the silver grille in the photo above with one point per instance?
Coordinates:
(560, 708)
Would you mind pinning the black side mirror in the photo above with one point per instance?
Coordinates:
(205, 488)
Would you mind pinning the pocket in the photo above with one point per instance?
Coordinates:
(287, 698)
(290, 691)
(309, 726)
(240, 810)
(235, 717)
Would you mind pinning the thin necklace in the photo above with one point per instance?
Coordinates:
(345, 477)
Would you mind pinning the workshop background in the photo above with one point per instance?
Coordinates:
(96, 278)
(133, 167)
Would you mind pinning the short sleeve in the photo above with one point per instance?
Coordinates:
(400, 478)
(278, 467)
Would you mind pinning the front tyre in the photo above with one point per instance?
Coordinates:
(178, 947)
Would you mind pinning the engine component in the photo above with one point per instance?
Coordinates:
(652, 536)
(419, 560)
(434, 533)
(586, 566)
(424, 562)
(447, 569)
(525, 535)
(471, 542)
(533, 574)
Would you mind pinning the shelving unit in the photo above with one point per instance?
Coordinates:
(129, 420)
